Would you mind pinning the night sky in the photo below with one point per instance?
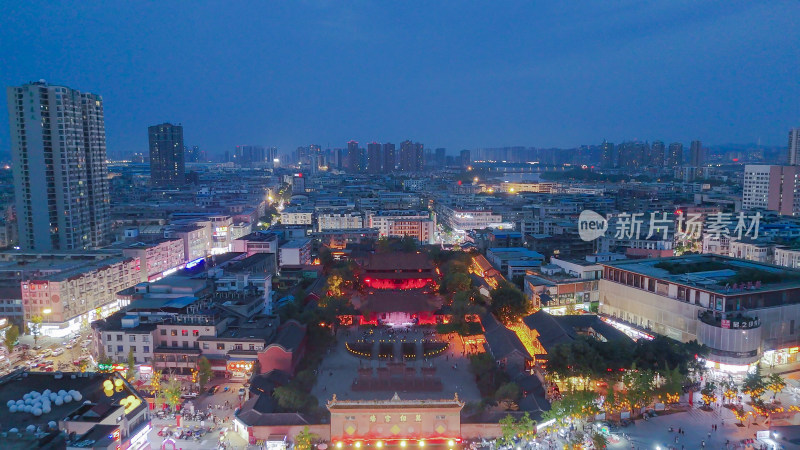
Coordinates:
(449, 74)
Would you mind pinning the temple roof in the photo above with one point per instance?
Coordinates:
(398, 261)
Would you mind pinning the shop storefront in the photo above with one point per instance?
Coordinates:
(781, 356)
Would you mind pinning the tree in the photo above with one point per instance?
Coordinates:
(12, 334)
(155, 386)
(334, 285)
(639, 387)
(776, 384)
(130, 374)
(508, 391)
(455, 282)
(753, 384)
(326, 259)
(36, 328)
(729, 389)
(204, 372)
(508, 430)
(709, 393)
(573, 404)
(290, 398)
(599, 440)
(172, 392)
(526, 426)
(509, 303)
(304, 439)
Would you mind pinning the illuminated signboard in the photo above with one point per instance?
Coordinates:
(240, 366)
(195, 262)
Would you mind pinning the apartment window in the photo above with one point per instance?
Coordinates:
(220, 346)
(119, 337)
(195, 333)
(237, 346)
(163, 332)
(185, 344)
(205, 345)
(146, 349)
(133, 348)
(145, 338)
(173, 332)
(174, 343)
(110, 348)
(184, 332)
(119, 349)
(791, 326)
(131, 338)
(196, 344)
(108, 337)
(252, 346)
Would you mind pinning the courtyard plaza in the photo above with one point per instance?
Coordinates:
(340, 368)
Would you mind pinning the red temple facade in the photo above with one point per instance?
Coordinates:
(398, 271)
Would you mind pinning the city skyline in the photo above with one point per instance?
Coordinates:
(494, 87)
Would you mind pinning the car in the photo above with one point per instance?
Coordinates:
(47, 352)
(189, 395)
(241, 391)
(68, 346)
(37, 347)
(58, 352)
(213, 390)
(85, 344)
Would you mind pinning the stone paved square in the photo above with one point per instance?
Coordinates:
(340, 368)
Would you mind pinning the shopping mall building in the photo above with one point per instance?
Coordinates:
(744, 311)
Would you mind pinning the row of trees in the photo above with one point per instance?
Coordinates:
(589, 358)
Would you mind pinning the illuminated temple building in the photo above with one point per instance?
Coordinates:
(398, 271)
(396, 421)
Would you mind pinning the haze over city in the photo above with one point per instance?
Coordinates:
(353, 225)
(449, 74)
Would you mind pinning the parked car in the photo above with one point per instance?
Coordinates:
(58, 352)
(213, 389)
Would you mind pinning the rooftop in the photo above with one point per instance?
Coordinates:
(719, 274)
(90, 386)
(259, 236)
(398, 261)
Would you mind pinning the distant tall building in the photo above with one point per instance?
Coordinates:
(441, 157)
(411, 156)
(697, 157)
(192, 153)
(58, 148)
(271, 156)
(774, 188)
(389, 157)
(794, 147)
(167, 166)
(249, 155)
(609, 157)
(353, 156)
(374, 158)
(631, 155)
(675, 155)
(466, 160)
(657, 154)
